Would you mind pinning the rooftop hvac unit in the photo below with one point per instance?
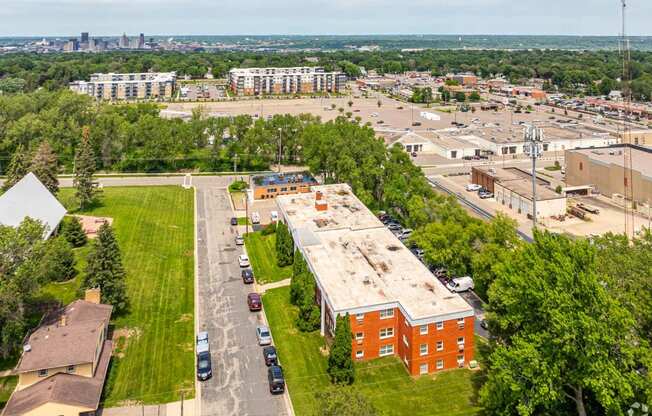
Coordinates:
(27, 348)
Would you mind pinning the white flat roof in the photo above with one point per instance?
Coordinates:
(359, 264)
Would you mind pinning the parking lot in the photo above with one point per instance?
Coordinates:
(201, 91)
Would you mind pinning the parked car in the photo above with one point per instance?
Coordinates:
(204, 367)
(414, 154)
(392, 226)
(239, 240)
(416, 123)
(276, 380)
(404, 234)
(243, 260)
(234, 221)
(418, 253)
(269, 353)
(473, 187)
(273, 216)
(254, 302)
(247, 276)
(255, 218)
(202, 342)
(263, 335)
(460, 284)
(485, 194)
(483, 324)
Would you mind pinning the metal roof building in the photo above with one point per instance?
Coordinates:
(30, 198)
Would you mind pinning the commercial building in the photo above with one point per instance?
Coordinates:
(512, 187)
(298, 80)
(133, 86)
(64, 362)
(466, 79)
(604, 170)
(269, 186)
(395, 305)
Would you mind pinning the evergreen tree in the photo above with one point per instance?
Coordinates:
(340, 362)
(297, 282)
(284, 245)
(104, 269)
(85, 189)
(309, 317)
(74, 233)
(44, 166)
(17, 168)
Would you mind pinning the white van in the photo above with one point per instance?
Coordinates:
(460, 284)
(274, 216)
(255, 218)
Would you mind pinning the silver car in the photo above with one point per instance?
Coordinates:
(263, 335)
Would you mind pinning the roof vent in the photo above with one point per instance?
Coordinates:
(366, 279)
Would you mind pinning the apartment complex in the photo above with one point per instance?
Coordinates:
(133, 86)
(396, 306)
(64, 362)
(299, 80)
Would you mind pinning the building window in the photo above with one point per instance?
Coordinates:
(440, 364)
(70, 369)
(386, 350)
(423, 349)
(359, 316)
(423, 368)
(440, 345)
(440, 326)
(405, 341)
(423, 330)
(359, 354)
(460, 323)
(460, 341)
(386, 313)
(453, 154)
(460, 360)
(386, 333)
(42, 373)
(284, 189)
(359, 336)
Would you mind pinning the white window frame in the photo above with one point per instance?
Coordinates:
(439, 364)
(389, 332)
(421, 369)
(439, 325)
(387, 313)
(439, 346)
(423, 330)
(423, 352)
(359, 354)
(388, 350)
(460, 323)
(359, 338)
(359, 317)
(460, 340)
(405, 341)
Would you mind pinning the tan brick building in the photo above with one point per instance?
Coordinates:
(396, 306)
(269, 186)
(274, 81)
(128, 87)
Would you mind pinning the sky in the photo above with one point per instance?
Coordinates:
(314, 17)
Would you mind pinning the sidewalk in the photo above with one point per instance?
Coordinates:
(167, 409)
(274, 285)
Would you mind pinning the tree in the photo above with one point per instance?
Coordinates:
(379, 103)
(58, 263)
(104, 269)
(333, 106)
(474, 97)
(74, 233)
(309, 317)
(350, 103)
(340, 361)
(299, 269)
(460, 97)
(562, 341)
(85, 189)
(17, 168)
(284, 245)
(343, 401)
(44, 166)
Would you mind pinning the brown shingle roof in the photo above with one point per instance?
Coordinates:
(69, 389)
(53, 345)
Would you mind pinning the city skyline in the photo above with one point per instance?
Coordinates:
(174, 17)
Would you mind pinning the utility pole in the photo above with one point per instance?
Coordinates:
(280, 143)
(235, 163)
(534, 149)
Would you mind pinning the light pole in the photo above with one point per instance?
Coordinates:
(534, 149)
(280, 143)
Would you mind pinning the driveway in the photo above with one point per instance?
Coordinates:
(239, 384)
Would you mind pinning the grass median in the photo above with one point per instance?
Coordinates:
(155, 230)
(384, 382)
(262, 256)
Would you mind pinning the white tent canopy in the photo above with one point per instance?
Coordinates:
(30, 198)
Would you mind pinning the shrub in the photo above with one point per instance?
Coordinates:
(58, 263)
(238, 186)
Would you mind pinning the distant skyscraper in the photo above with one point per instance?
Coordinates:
(141, 41)
(84, 37)
(124, 41)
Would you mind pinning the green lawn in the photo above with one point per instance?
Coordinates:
(155, 230)
(243, 221)
(262, 256)
(7, 385)
(385, 382)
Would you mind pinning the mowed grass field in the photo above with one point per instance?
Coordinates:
(155, 230)
(385, 382)
(262, 256)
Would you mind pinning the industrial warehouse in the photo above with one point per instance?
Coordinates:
(396, 306)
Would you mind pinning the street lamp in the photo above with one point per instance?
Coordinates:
(534, 149)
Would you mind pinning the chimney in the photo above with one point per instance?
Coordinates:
(321, 205)
(319, 196)
(93, 295)
(63, 319)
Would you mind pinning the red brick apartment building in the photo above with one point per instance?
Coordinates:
(396, 306)
(274, 81)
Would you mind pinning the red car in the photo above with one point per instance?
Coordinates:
(254, 302)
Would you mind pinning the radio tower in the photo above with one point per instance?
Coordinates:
(628, 184)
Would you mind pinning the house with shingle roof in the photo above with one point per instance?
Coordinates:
(64, 362)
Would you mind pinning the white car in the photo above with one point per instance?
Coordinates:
(263, 335)
(243, 260)
(255, 218)
(274, 216)
(473, 187)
